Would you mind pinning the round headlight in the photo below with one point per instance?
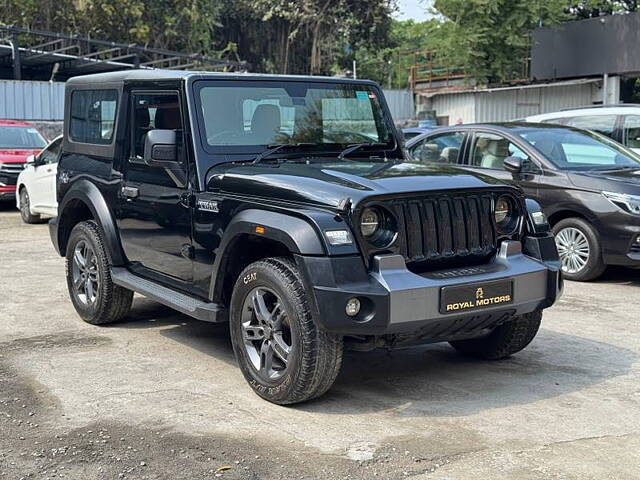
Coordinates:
(503, 210)
(369, 222)
(506, 215)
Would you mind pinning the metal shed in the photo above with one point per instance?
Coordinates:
(509, 103)
(21, 100)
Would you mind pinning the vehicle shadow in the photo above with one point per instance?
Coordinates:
(431, 380)
(615, 275)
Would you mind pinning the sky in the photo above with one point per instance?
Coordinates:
(412, 9)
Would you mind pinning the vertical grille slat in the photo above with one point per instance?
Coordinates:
(442, 227)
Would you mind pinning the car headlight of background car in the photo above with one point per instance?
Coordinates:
(629, 203)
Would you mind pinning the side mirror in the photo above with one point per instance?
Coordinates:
(160, 148)
(31, 160)
(513, 164)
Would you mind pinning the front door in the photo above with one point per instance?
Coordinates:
(154, 217)
(487, 153)
(43, 193)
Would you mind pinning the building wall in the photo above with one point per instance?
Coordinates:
(400, 104)
(502, 105)
(26, 100)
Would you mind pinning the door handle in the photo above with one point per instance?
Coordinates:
(130, 192)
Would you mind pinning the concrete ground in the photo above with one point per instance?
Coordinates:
(160, 396)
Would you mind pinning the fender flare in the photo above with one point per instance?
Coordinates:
(87, 192)
(296, 234)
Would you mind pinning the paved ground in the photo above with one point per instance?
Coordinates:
(160, 396)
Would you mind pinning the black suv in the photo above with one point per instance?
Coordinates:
(285, 205)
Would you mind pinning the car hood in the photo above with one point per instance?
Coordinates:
(621, 181)
(16, 155)
(330, 183)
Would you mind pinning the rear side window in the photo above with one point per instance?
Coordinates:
(443, 148)
(93, 114)
(604, 124)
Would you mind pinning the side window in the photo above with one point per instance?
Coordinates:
(154, 111)
(604, 124)
(489, 151)
(632, 131)
(50, 154)
(443, 148)
(93, 114)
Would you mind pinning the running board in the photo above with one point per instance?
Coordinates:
(196, 308)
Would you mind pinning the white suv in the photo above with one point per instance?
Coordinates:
(620, 122)
(36, 185)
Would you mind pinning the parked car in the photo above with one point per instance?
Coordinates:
(587, 184)
(36, 184)
(18, 140)
(619, 122)
(302, 241)
(410, 133)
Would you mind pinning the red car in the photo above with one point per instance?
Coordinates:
(18, 140)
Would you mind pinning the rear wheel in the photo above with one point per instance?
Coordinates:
(504, 340)
(283, 355)
(94, 295)
(25, 207)
(579, 250)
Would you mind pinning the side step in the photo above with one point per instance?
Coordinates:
(196, 308)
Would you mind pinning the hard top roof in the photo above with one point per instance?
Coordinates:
(159, 75)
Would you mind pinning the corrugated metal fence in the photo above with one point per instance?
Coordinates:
(401, 104)
(21, 100)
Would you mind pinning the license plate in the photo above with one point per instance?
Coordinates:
(475, 296)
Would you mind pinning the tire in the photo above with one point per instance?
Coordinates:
(25, 208)
(576, 238)
(94, 295)
(504, 340)
(313, 356)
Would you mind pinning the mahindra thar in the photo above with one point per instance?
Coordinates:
(286, 206)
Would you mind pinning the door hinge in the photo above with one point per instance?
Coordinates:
(188, 200)
(188, 251)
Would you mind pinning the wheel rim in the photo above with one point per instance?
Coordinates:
(266, 333)
(85, 273)
(24, 204)
(573, 248)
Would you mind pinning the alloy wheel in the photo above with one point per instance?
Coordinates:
(266, 333)
(25, 210)
(85, 273)
(573, 248)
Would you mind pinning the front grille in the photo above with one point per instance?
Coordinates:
(443, 230)
(9, 172)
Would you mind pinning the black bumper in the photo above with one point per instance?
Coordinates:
(53, 233)
(395, 300)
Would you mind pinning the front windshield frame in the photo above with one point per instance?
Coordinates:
(32, 131)
(381, 115)
(601, 138)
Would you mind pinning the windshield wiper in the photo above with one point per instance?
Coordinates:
(274, 148)
(356, 146)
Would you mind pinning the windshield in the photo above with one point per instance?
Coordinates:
(255, 114)
(20, 137)
(571, 149)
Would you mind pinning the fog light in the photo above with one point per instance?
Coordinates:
(353, 307)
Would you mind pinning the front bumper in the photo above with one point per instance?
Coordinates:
(394, 300)
(7, 192)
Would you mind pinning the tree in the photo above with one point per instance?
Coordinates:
(595, 8)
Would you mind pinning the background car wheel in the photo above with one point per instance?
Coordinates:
(283, 355)
(94, 295)
(579, 249)
(504, 340)
(25, 208)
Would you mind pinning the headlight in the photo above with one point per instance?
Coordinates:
(369, 222)
(506, 215)
(629, 203)
(378, 226)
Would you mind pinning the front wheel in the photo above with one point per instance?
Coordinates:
(504, 340)
(579, 250)
(283, 355)
(25, 208)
